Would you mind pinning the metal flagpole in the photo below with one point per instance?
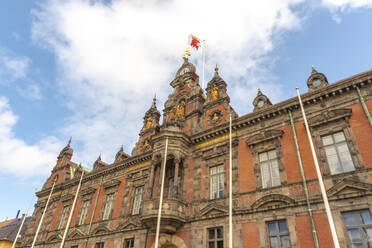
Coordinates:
(203, 63)
(72, 211)
(321, 184)
(42, 216)
(23, 221)
(161, 194)
(230, 195)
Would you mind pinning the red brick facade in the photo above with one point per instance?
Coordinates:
(198, 146)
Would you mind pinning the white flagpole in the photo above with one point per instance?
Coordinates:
(23, 221)
(161, 194)
(230, 193)
(203, 62)
(42, 216)
(321, 184)
(72, 211)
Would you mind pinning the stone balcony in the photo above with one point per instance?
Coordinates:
(172, 217)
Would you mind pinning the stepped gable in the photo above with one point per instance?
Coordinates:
(261, 101)
(65, 169)
(149, 128)
(216, 109)
(316, 80)
(183, 108)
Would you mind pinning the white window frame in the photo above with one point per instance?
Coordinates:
(217, 181)
(138, 200)
(109, 206)
(84, 211)
(269, 162)
(337, 144)
(64, 215)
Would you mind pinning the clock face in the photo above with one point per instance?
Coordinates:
(260, 103)
(316, 82)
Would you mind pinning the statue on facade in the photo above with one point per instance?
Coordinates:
(215, 93)
(148, 122)
(179, 110)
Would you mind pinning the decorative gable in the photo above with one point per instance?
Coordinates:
(127, 225)
(329, 115)
(213, 209)
(111, 183)
(273, 201)
(56, 237)
(349, 188)
(76, 233)
(101, 229)
(264, 136)
(261, 101)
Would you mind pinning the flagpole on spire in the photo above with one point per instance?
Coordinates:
(203, 63)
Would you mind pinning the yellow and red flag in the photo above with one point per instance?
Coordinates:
(194, 41)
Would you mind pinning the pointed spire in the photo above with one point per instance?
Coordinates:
(313, 71)
(99, 157)
(121, 148)
(154, 101)
(69, 141)
(216, 71)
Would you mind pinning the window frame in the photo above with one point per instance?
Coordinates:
(130, 244)
(135, 198)
(269, 163)
(110, 214)
(278, 234)
(217, 175)
(63, 217)
(215, 240)
(83, 215)
(99, 245)
(360, 226)
(336, 145)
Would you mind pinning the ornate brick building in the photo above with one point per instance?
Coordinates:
(275, 202)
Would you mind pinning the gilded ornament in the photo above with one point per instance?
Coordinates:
(215, 117)
(148, 122)
(179, 110)
(215, 93)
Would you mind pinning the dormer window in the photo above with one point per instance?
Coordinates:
(316, 82)
(260, 103)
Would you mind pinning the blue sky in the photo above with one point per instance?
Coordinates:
(89, 69)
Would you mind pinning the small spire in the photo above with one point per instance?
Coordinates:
(313, 70)
(69, 141)
(216, 71)
(154, 101)
(121, 148)
(99, 157)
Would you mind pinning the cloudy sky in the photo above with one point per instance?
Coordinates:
(89, 69)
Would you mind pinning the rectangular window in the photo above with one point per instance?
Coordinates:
(215, 237)
(99, 245)
(129, 243)
(138, 199)
(84, 212)
(109, 207)
(217, 176)
(359, 228)
(75, 246)
(63, 219)
(172, 190)
(269, 169)
(278, 234)
(337, 152)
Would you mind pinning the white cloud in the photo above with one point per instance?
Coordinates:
(338, 6)
(17, 157)
(12, 67)
(113, 57)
